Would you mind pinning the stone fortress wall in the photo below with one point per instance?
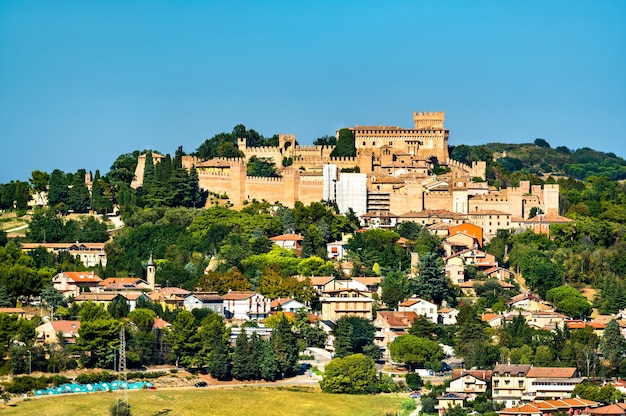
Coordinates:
(394, 159)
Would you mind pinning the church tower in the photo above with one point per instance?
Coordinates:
(151, 272)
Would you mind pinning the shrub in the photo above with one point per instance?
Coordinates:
(414, 381)
(25, 384)
(120, 408)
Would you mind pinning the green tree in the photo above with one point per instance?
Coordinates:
(345, 144)
(52, 298)
(241, 353)
(78, 198)
(184, 340)
(285, 346)
(569, 301)
(119, 307)
(432, 283)
(57, 191)
(352, 335)
(416, 352)
(261, 167)
(422, 327)
(613, 344)
(395, 288)
(39, 182)
(217, 337)
(97, 338)
(354, 374)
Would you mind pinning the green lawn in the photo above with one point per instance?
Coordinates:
(224, 402)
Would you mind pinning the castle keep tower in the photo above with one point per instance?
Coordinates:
(376, 144)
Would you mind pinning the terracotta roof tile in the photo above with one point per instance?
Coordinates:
(551, 372)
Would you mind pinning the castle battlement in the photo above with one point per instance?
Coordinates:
(231, 159)
(263, 149)
(343, 159)
(264, 179)
(204, 173)
(308, 148)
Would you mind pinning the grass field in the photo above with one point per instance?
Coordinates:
(255, 401)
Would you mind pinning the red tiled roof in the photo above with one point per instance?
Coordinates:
(490, 317)
(67, 327)
(287, 237)
(582, 325)
(551, 372)
(368, 281)
(397, 319)
(317, 280)
(612, 409)
(480, 374)
(238, 295)
(122, 280)
(86, 296)
(83, 276)
(160, 323)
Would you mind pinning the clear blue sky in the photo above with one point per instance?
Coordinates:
(82, 82)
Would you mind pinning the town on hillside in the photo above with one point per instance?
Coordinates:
(369, 262)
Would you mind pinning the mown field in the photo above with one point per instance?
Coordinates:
(224, 402)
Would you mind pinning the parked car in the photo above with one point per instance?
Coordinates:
(415, 395)
(201, 384)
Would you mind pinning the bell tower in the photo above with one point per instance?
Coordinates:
(151, 272)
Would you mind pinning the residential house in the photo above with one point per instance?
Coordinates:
(483, 261)
(346, 302)
(48, 332)
(363, 284)
(499, 273)
(468, 287)
(289, 241)
(90, 254)
(550, 383)
(458, 242)
(450, 400)
(74, 283)
(471, 230)
(286, 305)
(429, 217)
(540, 224)
(447, 316)
(471, 383)
(390, 325)
(420, 307)
(574, 407)
(170, 298)
(527, 302)
(379, 219)
(205, 300)
(597, 327)
(617, 409)
(495, 320)
(246, 306)
(490, 221)
(21, 313)
(321, 283)
(102, 299)
(455, 270)
(509, 383)
(545, 319)
(124, 285)
(336, 250)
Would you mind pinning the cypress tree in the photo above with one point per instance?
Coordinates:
(285, 346)
(240, 356)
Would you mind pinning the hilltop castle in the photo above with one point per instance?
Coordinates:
(396, 175)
